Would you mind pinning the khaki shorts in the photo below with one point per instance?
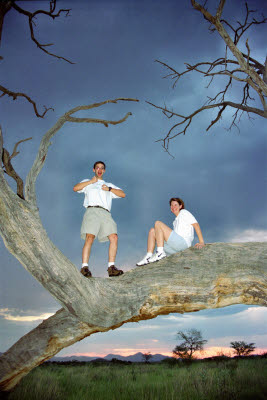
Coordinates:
(98, 222)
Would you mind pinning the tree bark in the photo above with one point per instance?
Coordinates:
(219, 275)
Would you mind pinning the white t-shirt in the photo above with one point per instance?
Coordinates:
(182, 225)
(95, 196)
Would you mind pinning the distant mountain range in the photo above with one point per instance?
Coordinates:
(138, 357)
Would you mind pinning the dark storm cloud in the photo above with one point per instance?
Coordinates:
(219, 174)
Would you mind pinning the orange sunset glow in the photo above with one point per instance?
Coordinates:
(125, 352)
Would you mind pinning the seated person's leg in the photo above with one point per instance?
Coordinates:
(151, 241)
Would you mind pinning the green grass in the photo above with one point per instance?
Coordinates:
(231, 380)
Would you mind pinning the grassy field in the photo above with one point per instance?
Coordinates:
(233, 380)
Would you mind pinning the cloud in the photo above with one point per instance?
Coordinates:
(250, 235)
(12, 315)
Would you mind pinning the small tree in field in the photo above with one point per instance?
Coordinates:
(242, 348)
(192, 341)
(146, 357)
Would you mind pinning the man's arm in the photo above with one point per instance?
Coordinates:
(200, 237)
(117, 192)
(82, 185)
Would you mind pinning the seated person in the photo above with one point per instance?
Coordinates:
(171, 241)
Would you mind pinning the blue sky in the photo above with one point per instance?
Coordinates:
(220, 174)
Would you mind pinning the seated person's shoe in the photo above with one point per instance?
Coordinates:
(113, 271)
(144, 261)
(85, 271)
(157, 256)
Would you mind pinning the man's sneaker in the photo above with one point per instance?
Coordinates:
(144, 261)
(157, 256)
(85, 271)
(113, 271)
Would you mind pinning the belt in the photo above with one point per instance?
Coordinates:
(98, 207)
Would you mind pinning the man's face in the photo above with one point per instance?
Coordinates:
(99, 170)
(175, 207)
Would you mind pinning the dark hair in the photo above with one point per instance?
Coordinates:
(179, 201)
(99, 162)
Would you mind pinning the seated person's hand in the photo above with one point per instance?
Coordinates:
(199, 245)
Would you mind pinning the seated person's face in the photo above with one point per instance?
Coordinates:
(175, 207)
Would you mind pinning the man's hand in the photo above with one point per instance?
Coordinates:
(94, 179)
(105, 188)
(199, 245)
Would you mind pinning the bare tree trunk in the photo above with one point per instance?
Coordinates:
(219, 275)
(5, 6)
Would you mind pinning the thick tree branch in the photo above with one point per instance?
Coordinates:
(220, 9)
(219, 275)
(45, 143)
(15, 95)
(5, 6)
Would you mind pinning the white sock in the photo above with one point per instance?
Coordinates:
(148, 254)
(111, 263)
(160, 250)
(84, 264)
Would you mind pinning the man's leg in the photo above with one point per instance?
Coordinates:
(113, 245)
(89, 239)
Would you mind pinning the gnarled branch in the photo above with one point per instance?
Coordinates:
(43, 149)
(15, 95)
(9, 169)
(5, 7)
(243, 69)
(15, 152)
(50, 14)
(187, 120)
(219, 275)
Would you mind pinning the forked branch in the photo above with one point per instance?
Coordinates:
(243, 69)
(43, 148)
(31, 16)
(5, 7)
(186, 120)
(15, 95)
(8, 167)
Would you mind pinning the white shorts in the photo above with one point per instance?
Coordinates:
(174, 244)
(98, 222)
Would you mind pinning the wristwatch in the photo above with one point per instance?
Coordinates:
(109, 189)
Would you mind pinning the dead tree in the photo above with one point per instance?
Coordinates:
(219, 275)
(235, 65)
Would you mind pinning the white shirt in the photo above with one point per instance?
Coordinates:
(95, 196)
(183, 226)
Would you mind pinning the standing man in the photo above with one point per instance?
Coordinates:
(169, 240)
(97, 220)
